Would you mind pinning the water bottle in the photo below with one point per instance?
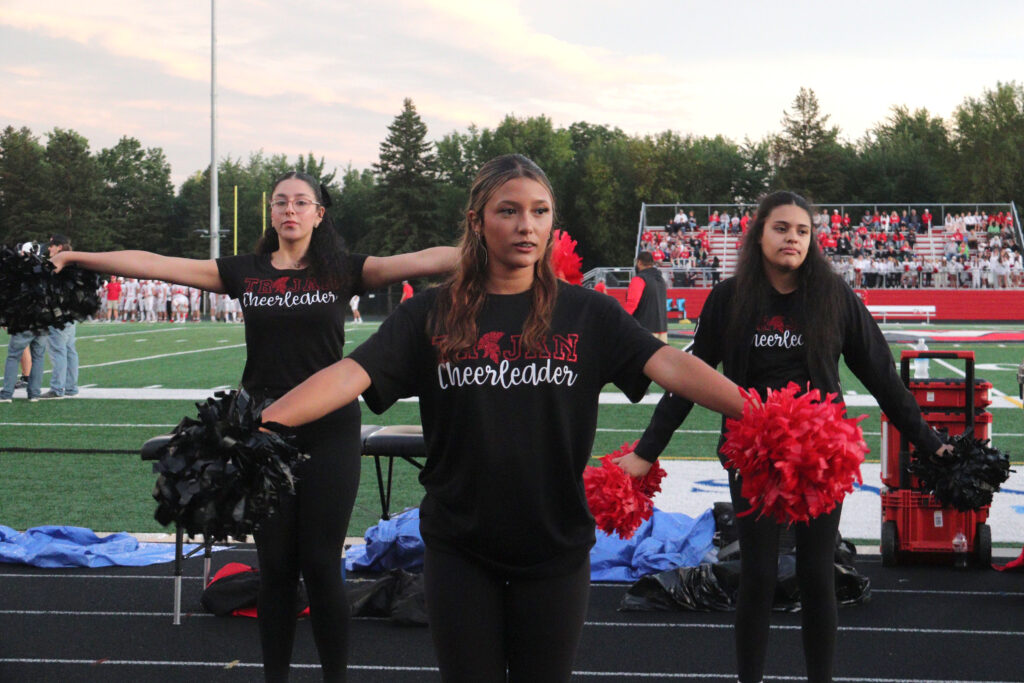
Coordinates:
(960, 550)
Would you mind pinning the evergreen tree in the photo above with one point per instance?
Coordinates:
(808, 156)
(407, 210)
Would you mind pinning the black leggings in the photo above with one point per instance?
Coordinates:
(306, 536)
(488, 628)
(815, 571)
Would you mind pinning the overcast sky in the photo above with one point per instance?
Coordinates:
(328, 76)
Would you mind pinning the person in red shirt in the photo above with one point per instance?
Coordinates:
(926, 219)
(113, 296)
(601, 287)
(406, 291)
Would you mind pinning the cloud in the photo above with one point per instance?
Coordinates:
(329, 75)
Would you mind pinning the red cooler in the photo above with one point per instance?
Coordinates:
(912, 520)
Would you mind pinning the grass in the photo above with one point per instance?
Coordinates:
(110, 492)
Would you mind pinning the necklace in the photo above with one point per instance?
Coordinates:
(292, 265)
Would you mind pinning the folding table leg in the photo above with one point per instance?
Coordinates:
(207, 559)
(380, 489)
(179, 535)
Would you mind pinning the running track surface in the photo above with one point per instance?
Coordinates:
(923, 623)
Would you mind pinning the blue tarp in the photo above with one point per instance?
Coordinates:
(665, 541)
(390, 544)
(72, 546)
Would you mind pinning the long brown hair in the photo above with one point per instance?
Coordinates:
(819, 288)
(461, 298)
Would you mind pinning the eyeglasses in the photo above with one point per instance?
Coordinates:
(300, 205)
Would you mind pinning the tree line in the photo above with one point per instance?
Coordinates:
(122, 197)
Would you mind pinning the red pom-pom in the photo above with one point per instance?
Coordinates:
(798, 456)
(620, 503)
(566, 263)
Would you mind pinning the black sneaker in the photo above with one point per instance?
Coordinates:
(22, 382)
(51, 394)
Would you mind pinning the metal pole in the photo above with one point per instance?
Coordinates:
(214, 205)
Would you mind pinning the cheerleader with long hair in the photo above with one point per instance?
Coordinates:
(786, 316)
(294, 293)
(508, 363)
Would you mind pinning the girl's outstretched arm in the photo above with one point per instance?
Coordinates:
(379, 271)
(198, 273)
(322, 393)
(688, 376)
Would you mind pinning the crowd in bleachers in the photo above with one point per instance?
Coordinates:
(881, 249)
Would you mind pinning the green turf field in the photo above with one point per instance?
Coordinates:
(112, 492)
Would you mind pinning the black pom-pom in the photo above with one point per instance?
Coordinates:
(33, 297)
(219, 475)
(967, 477)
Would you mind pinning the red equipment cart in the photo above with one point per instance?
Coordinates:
(913, 521)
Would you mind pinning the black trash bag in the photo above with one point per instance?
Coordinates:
(697, 589)
(34, 298)
(240, 590)
(397, 595)
(725, 525)
(713, 587)
(219, 475)
(966, 478)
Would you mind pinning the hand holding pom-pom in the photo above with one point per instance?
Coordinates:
(620, 503)
(967, 477)
(798, 456)
(34, 297)
(220, 474)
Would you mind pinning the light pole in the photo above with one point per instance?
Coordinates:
(214, 205)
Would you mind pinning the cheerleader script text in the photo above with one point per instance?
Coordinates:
(503, 375)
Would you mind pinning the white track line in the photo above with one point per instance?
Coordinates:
(592, 624)
(161, 355)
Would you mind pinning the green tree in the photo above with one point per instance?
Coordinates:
(190, 235)
(138, 197)
(908, 157)
(353, 211)
(22, 186)
(807, 154)
(989, 143)
(407, 210)
(74, 192)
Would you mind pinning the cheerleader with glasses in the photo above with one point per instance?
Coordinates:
(294, 291)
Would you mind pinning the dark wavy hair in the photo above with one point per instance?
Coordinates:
(819, 288)
(462, 297)
(327, 254)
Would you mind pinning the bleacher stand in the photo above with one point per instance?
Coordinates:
(890, 247)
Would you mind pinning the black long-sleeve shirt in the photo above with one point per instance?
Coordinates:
(860, 342)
